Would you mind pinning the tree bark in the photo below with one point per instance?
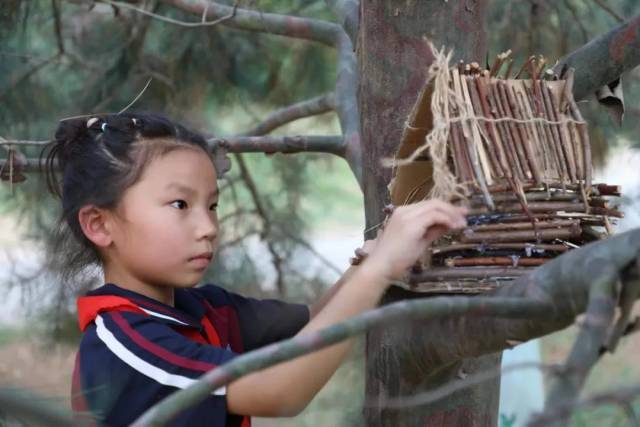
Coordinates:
(393, 59)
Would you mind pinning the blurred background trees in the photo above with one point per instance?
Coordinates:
(61, 58)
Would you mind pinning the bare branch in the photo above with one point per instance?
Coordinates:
(28, 73)
(619, 396)
(586, 349)
(565, 282)
(270, 355)
(266, 222)
(290, 26)
(576, 17)
(603, 59)
(137, 96)
(609, 10)
(57, 26)
(202, 23)
(348, 15)
(546, 300)
(246, 143)
(35, 409)
(281, 144)
(347, 105)
(447, 389)
(311, 107)
(23, 142)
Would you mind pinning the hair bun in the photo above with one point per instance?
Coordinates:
(71, 131)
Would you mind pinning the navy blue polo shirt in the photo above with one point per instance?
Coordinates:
(135, 350)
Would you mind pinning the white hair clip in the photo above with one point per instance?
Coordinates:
(104, 125)
(135, 121)
(91, 121)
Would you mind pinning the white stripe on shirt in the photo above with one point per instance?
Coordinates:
(162, 316)
(142, 366)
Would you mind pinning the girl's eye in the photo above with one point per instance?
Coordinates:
(179, 204)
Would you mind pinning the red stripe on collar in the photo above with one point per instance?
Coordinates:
(89, 307)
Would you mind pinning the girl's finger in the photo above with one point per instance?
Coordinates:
(439, 218)
(455, 214)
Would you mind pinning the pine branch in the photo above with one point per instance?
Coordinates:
(311, 107)
(272, 354)
(290, 26)
(348, 14)
(544, 301)
(603, 59)
(34, 409)
(281, 144)
(203, 23)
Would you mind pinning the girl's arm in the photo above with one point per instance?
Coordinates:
(285, 389)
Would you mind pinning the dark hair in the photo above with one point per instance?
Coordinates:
(92, 161)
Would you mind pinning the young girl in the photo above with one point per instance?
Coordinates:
(139, 197)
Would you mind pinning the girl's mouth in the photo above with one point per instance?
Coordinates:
(202, 260)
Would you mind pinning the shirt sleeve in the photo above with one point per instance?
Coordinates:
(261, 321)
(129, 362)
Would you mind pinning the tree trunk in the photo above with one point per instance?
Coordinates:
(393, 59)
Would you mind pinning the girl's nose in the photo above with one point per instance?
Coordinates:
(208, 226)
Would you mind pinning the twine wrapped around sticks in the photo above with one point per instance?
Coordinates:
(450, 106)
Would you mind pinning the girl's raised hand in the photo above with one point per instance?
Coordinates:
(408, 233)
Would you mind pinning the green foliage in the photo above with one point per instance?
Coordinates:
(215, 79)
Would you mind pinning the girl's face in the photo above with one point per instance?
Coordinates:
(165, 228)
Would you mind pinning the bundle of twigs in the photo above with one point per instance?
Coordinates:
(520, 149)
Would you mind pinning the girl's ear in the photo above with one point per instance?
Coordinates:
(94, 223)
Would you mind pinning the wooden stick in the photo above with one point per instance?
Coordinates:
(525, 225)
(482, 172)
(486, 144)
(443, 273)
(507, 137)
(534, 207)
(465, 287)
(608, 190)
(576, 147)
(500, 58)
(607, 226)
(478, 261)
(583, 217)
(552, 146)
(524, 140)
(535, 196)
(509, 161)
(521, 235)
(565, 109)
(491, 127)
(524, 66)
(538, 147)
(582, 129)
(466, 133)
(539, 135)
(456, 247)
(601, 189)
(547, 97)
(458, 165)
(607, 212)
(458, 138)
(509, 67)
(516, 140)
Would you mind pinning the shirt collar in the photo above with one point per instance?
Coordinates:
(188, 309)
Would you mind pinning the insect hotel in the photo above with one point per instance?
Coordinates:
(516, 152)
